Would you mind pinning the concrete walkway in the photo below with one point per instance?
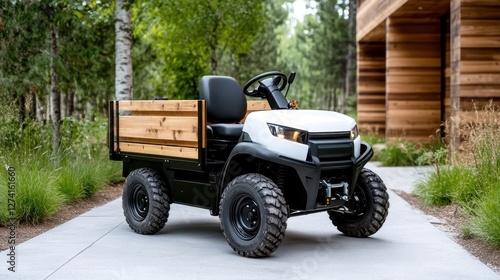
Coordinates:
(100, 245)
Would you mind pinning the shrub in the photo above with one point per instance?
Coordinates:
(449, 185)
(486, 219)
(36, 196)
(399, 154)
(473, 178)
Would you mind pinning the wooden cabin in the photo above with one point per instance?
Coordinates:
(424, 62)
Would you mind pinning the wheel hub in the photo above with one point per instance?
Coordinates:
(246, 217)
(140, 203)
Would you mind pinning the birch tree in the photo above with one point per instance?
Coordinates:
(123, 46)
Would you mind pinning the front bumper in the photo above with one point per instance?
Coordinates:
(325, 160)
(334, 159)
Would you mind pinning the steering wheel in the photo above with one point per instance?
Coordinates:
(279, 80)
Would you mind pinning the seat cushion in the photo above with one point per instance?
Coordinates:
(226, 131)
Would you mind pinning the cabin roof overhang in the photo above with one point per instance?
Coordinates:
(371, 15)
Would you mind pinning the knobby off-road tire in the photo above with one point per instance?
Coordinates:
(145, 201)
(370, 203)
(253, 215)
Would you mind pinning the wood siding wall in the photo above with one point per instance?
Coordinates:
(475, 60)
(372, 13)
(480, 53)
(413, 78)
(432, 47)
(371, 87)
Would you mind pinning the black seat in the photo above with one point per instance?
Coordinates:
(226, 106)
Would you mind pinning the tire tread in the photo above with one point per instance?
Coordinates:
(380, 200)
(158, 215)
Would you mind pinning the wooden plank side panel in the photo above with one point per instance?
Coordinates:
(255, 106)
(258, 105)
(160, 127)
(159, 150)
(160, 107)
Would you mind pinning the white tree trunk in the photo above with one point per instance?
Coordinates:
(123, 46)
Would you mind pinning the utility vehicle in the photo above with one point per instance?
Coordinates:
(254, 164)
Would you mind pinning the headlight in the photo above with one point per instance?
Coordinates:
(354, 132)
(288, 133)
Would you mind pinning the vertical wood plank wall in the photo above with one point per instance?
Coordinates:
(413, 78)
(404, 99)
(480, 53)
(371, 87)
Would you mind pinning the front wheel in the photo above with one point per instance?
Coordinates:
(145, 201)
(368, 207)
(253, 215)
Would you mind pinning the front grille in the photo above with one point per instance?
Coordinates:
(329, 135)
(331, 146)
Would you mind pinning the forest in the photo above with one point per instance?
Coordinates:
(61, 61)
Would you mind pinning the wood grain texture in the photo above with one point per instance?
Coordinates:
(256, 105)
(416, 69)
(169, 106)
(159, 150)
(170, 128)
(478, 74)
(371, 87)
(371, 13)
(413, 78)
(167, 128)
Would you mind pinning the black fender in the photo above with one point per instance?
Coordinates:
(247, 153)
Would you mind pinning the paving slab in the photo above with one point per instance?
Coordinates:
(100, 245)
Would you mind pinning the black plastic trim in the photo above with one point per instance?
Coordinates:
(308, 171)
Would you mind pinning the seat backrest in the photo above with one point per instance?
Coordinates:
(224, 97)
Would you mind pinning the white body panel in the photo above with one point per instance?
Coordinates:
(306, 120)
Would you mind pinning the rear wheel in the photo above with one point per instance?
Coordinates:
(253, 215)
(368, 207)
(145, 201)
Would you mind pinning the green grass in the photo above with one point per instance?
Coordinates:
(399, 154)
(485, 222)
(405, 153)
(372, 139)
(36, 196)
(449, 185)
(44, 183)
(472, 179)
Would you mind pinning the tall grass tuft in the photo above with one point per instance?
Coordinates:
(404, 153)
(485, 222)
(45, 183)
(472, 180)
(443, 188)
(83, 177)
(36, 195)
